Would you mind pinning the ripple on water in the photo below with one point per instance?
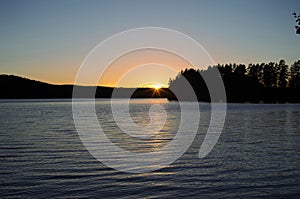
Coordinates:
(41, 155)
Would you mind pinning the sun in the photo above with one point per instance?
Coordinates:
(156, 89)
(156, 86)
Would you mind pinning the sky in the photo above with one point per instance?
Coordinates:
(48, 40)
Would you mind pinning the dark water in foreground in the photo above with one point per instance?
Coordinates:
(41, 155)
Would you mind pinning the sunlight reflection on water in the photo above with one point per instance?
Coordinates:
(42, 156)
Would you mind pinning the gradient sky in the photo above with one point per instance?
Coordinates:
(48, 40)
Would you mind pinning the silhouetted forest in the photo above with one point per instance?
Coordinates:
(263, 82)
(256, 83)
(14, 87)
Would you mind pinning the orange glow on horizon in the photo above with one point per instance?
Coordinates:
(156, 86)
(143, 68)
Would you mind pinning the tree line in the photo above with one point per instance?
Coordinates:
(262, 82)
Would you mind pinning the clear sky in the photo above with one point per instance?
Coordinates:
(47, 40)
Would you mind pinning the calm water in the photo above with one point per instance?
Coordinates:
(257, 155)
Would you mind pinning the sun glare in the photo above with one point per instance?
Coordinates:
(156, 89)
(156, 86)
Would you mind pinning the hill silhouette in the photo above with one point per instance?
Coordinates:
(15, 87)
(256, 83)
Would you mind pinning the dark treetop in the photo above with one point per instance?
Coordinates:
(262, 82)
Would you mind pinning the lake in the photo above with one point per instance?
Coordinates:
(42, 156)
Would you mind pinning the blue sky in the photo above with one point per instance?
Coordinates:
(48, 40)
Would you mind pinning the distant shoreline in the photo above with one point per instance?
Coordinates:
(15, 87)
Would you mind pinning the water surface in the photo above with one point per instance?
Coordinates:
(257, 155)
